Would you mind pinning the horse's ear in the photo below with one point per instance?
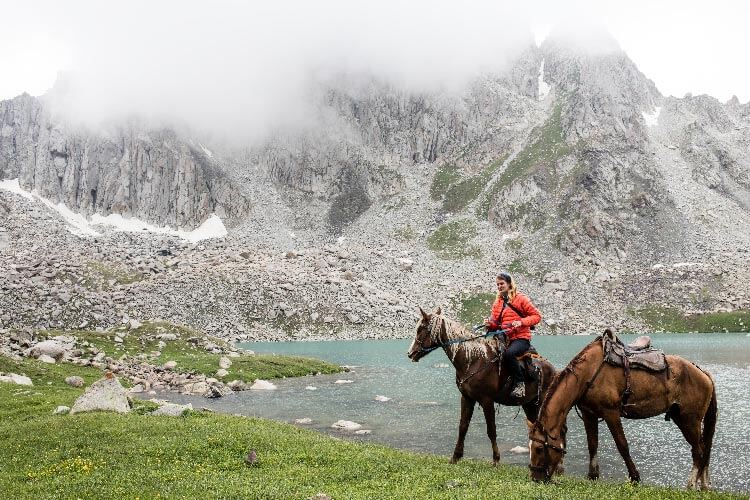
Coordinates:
(425, 316)
(438, 311)
(609, 333)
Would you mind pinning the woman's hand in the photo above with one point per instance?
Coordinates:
(516, 324)
(486, 321)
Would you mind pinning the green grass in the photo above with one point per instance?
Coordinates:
(451, 240)
(473, 308)
(446, 175)
(191, 357)
(546, 147)
(200, 455)
(673, 320)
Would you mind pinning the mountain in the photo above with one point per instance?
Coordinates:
(611, 203)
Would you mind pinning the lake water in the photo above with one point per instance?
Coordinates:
(423, 412)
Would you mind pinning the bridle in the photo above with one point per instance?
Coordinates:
(547, 446)
(431, 325)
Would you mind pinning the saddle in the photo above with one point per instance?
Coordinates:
(638, 354)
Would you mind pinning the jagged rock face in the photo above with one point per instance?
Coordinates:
(368, 130)
(151, 175)
(585, 174)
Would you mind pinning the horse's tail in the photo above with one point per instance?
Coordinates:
(709, 425)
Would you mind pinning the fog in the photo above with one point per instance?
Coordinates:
(237, 69)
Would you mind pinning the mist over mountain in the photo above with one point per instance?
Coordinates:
(562, 163)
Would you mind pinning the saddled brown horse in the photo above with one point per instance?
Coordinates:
(477, 375)
(684, 392)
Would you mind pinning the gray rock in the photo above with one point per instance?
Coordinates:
(171, 409)
(61, 410)
(14, 378)
(74, 380)
(106, 394)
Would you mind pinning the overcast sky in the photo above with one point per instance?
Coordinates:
(238, 64)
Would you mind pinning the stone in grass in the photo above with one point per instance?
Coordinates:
(14, 378)
(519, 450)
(75, 381)
(263, 385)
(346, 425)
(320, 496)
(225, 362)
(106, 394)
(221, 373)
(61, 410)
(44, 358)
(171, 409)
(170, 365)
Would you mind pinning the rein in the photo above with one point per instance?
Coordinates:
(428, 350)
(547, 446)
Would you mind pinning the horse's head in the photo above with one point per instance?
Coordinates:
(546, 452)
(424, 338)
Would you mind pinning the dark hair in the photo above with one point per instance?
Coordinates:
(505, 277)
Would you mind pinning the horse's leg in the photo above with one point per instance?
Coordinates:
(691, 430)
(467, 410)
(591, 424)
(488, 406)
(615, 427)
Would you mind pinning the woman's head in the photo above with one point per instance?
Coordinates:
(506, 286)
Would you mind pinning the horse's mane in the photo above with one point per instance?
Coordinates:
(474, 348)
(568, 370)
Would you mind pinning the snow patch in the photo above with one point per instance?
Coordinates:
(206, 150)
(652, 119)
(213, 227)
(543, 87)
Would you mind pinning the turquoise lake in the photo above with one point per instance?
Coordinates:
(422, 414)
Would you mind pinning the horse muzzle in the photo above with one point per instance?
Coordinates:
(414, 355)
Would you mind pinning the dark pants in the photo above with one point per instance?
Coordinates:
(516, 348)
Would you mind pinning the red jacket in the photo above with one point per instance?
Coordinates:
(503, 315)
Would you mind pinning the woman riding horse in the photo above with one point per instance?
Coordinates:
(513, 308)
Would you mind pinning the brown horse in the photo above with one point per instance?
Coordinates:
(684, 392)
(477, 375)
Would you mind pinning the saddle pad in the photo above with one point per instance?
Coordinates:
(650, 359)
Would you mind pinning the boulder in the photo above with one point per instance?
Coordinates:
(51, 348)
(237, 385)
(14, 378)
(74, 380)
(46, 359)
(106, 394)
(519, 450)
(225, 363)
(221, 373)
(170, 365)
(346, 425)
(61, 410)
(217, 391)
(171, 409)
(263, 385)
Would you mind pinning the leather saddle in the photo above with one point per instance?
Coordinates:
(638, 354)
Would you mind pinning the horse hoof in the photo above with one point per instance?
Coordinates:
(495, 463)
(454, 460)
